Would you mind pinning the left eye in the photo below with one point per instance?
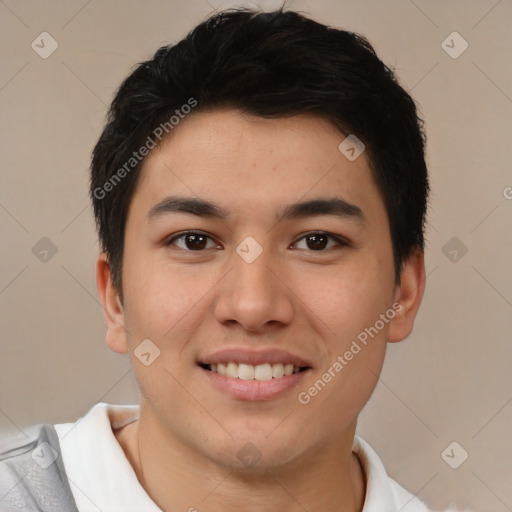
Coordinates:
(318, 242)
(193, 242)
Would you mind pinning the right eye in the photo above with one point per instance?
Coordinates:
(192, 241)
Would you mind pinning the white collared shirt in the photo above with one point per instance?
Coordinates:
(103, 480)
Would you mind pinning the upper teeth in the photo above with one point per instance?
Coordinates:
(248, 371)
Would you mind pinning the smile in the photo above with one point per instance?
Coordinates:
(261, 372)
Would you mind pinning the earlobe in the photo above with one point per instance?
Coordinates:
(113, 310)
(408, 295)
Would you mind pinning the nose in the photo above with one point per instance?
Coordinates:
(254, 296)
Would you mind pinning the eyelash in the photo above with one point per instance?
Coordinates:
(341, 242)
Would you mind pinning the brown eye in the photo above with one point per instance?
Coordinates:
(316, 242)
(319, 242)
(193, 242)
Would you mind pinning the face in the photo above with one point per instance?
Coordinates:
(253, 248)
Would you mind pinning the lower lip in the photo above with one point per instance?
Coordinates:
(254, 389)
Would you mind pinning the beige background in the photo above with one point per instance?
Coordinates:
(449, 382)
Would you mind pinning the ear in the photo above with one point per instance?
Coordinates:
(408, 295)
(112, 307)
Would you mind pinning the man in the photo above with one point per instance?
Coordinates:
(260, 193)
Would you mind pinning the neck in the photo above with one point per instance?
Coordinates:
(176, 477)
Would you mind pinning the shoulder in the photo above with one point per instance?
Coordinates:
(383, 494)
(32, 474)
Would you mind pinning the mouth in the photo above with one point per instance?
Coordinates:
(253, 376)
(260, 372)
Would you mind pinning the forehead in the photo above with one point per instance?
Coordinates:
(249, 163)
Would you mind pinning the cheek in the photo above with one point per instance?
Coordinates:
(350, 301)
(164, 301)
(163, 304)
(348, 298)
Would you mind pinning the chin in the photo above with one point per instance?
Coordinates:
(255, 457)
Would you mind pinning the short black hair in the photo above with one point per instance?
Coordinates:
(269, 64)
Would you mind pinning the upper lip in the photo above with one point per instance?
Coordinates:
(254, 357)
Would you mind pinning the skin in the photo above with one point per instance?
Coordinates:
(312, 303)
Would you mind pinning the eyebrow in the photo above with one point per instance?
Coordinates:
(335, 206)
(192, 206)
(330, 206)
